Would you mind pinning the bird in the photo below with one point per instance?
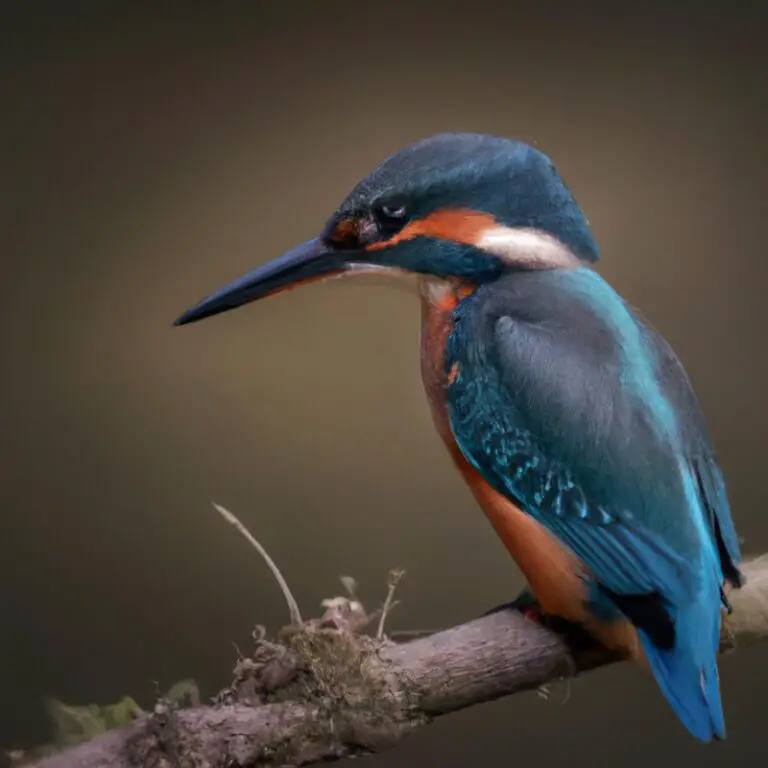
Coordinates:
(568, 415)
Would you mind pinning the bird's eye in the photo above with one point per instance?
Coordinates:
(393, 212)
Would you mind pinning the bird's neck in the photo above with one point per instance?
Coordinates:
(439, 298)
(443, 294)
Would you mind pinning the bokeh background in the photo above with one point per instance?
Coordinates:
(152, 152)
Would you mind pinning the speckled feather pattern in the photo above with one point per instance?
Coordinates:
(575, 416)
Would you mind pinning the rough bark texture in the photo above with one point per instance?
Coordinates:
(323, 691)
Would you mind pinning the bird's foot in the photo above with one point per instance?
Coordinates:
(524, 603)
(527, 604)
(574, 634)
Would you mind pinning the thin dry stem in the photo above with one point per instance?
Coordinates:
(394, 580)
(293, 607)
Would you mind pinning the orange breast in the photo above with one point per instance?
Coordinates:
(553, 572)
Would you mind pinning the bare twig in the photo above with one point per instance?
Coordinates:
(394, 580)
(293, 607)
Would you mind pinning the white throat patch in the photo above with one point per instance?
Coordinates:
(434, 290)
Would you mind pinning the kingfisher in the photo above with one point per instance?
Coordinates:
(568, 415)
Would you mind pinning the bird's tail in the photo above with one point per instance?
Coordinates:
(687, 674)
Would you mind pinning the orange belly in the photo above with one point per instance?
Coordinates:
(553, 572)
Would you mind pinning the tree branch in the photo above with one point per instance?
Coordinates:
(323, 690)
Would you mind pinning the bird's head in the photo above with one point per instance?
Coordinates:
(466, 206)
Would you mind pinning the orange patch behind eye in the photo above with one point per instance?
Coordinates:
(461, 225)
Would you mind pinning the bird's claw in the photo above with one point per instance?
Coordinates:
(573, 633)
(524, 603)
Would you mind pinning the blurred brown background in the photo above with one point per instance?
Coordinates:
(149, 156)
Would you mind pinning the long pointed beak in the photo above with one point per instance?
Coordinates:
(307, 263)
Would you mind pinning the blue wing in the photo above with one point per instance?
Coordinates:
(700, 453)
(561, 405)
